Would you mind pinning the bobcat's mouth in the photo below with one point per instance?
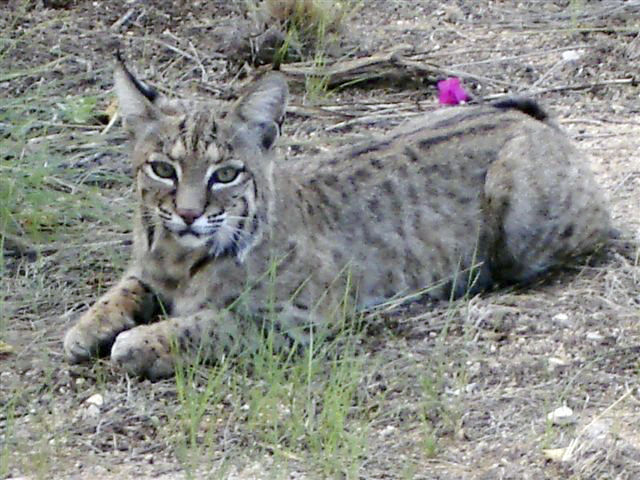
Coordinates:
(190, 238)
(188, 231)
(196, 229)
(220, 238)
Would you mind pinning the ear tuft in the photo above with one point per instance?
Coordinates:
(268, 133)
(135, 99)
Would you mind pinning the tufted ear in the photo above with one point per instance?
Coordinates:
(261, 110)
(137, 101)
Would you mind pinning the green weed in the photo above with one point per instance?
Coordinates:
(305, 405)
(441, 413)
(41, 195)
(312, 29)
(310, 20)
(317, 85)
(79, 109)
(7, 420)
(298, 406)
(198, 391)
(576, 8)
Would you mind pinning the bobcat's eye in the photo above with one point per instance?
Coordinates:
(225, 174)
(163, 169)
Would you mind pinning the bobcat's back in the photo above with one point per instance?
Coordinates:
(481, 190)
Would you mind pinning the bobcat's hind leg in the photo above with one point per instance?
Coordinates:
(124, 306)
(544, 206)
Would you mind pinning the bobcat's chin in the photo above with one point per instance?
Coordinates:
(190, 240)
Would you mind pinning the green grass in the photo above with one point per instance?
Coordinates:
(47, 201)
(7, 434)
(297, 407)
(39, 198)
(576, 8)
(42, 196)
(198, 390)
(46, 198)
(317, 85)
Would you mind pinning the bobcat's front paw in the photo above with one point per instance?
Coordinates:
(121, 308)
(144, 352)
(82, 343)
(95, 332)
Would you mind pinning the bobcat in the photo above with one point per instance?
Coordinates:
(228, 234)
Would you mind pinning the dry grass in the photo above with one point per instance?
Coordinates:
(279, 31)
(311, 18)
(435, 391)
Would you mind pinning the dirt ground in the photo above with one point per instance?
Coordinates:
(460, 392)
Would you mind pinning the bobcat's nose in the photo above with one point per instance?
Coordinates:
(189, 215)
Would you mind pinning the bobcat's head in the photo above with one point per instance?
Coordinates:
(203, 172)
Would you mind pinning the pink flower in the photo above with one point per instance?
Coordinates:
(450, 92)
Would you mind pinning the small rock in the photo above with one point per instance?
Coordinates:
(95, 399)
(388, 430)
(92, 412)
(571, 55)
(561, 318)
(595, 336)
(555, 362)
(555, 454)
(561, 416)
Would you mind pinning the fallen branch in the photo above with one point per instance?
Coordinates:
(122, 20)
(378, 66)
(388, 64)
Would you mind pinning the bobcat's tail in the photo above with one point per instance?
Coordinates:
(525, 105)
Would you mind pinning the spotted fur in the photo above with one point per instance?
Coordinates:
(228, 235)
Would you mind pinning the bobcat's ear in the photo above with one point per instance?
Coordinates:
(261, 110)
(136, 101)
